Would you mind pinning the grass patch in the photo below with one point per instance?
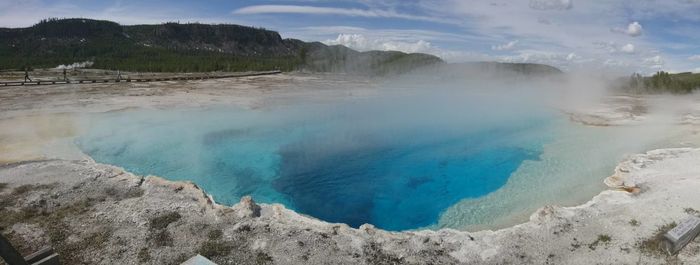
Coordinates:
(215, 234)
(72, 253)
(603, 238)
(58, 231)
(144, 256)
(97, 239)
(158, 233)
(691, 211)
(134, 193)
(214, 248)
(376, 255)
(21, 190)
(10, 218)
(43, 218)
(122, 194)
(6, 201)
(263, 258)
(653, 245)
(18, 192)
(162, 221)
(160, 237)
(52, 222)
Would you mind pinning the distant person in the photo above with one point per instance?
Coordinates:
(26, 75)
(64, 75)
(119, 75)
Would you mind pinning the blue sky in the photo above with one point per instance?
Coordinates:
(615, 35)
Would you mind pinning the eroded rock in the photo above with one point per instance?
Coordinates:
(247, 208)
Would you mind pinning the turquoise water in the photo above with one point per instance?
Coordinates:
(396, 166)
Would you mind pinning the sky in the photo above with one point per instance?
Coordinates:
(612, 35)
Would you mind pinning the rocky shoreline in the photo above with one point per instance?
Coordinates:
(99, 214)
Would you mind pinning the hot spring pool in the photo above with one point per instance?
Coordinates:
(397, 166)
(352, 162)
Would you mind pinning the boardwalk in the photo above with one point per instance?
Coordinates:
(115, 80)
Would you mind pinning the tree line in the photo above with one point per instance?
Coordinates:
(663, 82)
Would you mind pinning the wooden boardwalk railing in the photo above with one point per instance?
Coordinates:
(140, 79)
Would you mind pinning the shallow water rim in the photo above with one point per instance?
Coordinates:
(609, 181)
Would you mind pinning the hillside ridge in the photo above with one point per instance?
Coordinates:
(175, 47)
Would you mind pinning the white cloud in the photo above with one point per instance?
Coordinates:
(24, 13)
(419, 46)
(572, 57)
(390, 41)
(505, 47)
(407, 40)
(612, 47)
(315, 10)
(634, 29)
(615, 63)
(362, 43)
(654, 61)
(694, 57)
(627, 48)
(584, 28)
(464, 56)
(408, 35)
(353, 41)
(551, 4)
(608, 46)
(535, 56)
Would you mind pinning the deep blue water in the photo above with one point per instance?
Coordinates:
(397, 170)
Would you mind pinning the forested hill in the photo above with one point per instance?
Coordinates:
(174, 47)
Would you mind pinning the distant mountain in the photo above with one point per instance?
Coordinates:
(458, 72)
(518, 68)
(174, 47)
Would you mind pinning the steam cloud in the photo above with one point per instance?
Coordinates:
(75, 65)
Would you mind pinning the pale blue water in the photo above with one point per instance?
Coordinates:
(356, 162)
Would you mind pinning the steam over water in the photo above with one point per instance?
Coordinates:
(401, 160)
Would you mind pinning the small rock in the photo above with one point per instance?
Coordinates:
(632, 189)
(277, 210)
(247, 208)
(368, 228)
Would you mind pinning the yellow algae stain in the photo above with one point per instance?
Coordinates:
(27, 137)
